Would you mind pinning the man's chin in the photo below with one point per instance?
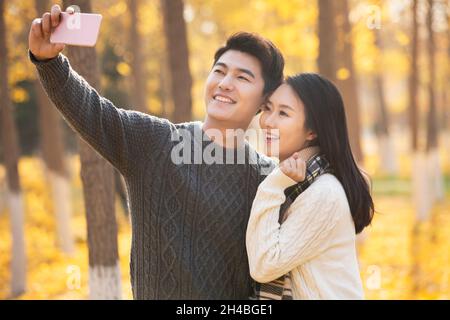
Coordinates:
(227, 118)
(219, 115)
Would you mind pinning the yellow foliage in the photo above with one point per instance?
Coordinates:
(49, 272)
(413, 262)
(19, 95)
(123, 68)
(387, 255)
(117, 9)
(402, 38)
(398, 260)
(343, 74)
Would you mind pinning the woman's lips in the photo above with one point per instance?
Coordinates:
(272, 139)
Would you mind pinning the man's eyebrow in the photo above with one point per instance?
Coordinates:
(247, 72)
(221, 64)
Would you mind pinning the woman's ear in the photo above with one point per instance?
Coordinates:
(311, 136)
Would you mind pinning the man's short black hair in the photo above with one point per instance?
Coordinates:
(269, 56)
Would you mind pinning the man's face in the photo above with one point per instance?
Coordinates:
(234, 89)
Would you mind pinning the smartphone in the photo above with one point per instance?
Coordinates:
(77, 29)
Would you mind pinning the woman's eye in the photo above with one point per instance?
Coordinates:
(283, 114)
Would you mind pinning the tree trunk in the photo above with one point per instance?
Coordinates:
(138, 89)
(11, 158)
(164, 89)
(446, 90)
(386, 149)
(414, 81)
(177, 50)
(435, 174)
(52, 145)
(98, 189)
(348, 85)
(420, 192)
(326, 61)
(432, 128)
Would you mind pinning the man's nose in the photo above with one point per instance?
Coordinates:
(226, 84)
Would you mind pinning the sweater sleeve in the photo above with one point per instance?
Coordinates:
(275, 249)
(119, 135)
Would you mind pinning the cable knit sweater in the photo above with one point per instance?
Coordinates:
(315, 242)
(188, 220)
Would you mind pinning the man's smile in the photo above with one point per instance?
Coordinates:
(223, 98)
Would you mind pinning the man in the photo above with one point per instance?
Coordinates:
(188, 220)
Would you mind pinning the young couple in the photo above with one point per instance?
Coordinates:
(203, 231)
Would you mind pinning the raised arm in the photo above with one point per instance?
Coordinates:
(121, 136)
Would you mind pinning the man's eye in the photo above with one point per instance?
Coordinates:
(219, 71)
(243, 78)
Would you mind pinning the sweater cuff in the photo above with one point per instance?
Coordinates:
(278, 179)
(52, 71)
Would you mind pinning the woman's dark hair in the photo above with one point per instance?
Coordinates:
(325, 115)
(269, 56)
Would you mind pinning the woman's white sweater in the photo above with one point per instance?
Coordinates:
(315, 242)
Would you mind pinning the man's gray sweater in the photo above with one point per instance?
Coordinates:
(188, 220)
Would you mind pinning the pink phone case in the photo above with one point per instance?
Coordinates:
(78, 29)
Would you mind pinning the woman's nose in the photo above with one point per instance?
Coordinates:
(269, 121)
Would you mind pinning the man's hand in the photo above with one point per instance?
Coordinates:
(39, 37)
(294, 167)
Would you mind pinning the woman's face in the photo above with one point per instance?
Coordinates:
(283, 118)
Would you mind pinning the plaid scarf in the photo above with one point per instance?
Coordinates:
(281, 288)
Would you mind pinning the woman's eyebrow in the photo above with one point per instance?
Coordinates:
(285, 106)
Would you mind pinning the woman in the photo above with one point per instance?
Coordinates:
(309, 249)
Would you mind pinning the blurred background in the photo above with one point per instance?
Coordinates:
(390, 59)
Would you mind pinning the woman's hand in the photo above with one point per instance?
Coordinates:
(294, 167)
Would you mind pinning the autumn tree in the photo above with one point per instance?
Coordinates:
(52, 146)
(420, 193)
(414, 80)
(178, 56)
(388, 161)
(137, 64)
(10, 145)
(98, 190)
(436, 180)
(326, 61)
(347, 78)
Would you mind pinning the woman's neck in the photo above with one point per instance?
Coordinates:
(305, 154)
